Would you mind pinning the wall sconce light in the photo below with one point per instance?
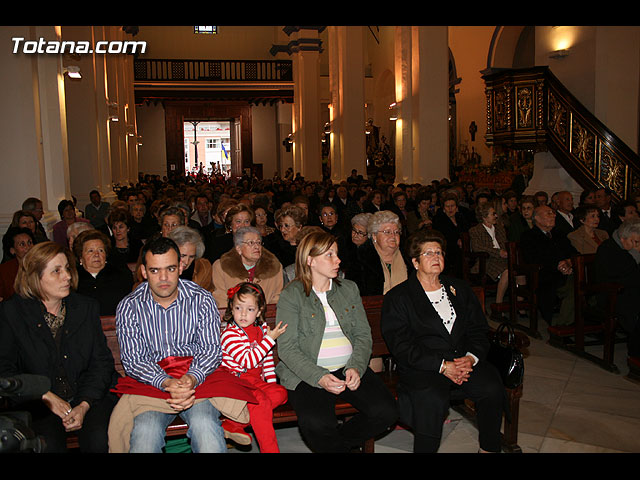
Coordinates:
(72, 71)
(288, 142)
(327, 128)
(139, 140)
(113, 111)
(394, 111)
(368, 127)
(559, 53)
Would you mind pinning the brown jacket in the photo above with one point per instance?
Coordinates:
(228, 271)
(584, 243)
(481, 241)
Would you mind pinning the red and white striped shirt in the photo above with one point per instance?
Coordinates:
(248, 349)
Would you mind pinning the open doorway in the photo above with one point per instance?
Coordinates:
(207, 147)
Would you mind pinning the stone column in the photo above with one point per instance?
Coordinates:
(346, 73)
(421, 70)
(307, 130)
(34, 130)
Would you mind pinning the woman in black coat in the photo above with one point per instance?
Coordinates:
(107, 282)
(437, 333)
(48, 330)
(451, 223)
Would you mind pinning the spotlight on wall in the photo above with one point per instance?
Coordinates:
(72, 71)
(393, 111)
(288, 142)
(113, 111)
(559, 53)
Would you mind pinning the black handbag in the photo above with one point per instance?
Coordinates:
(506, 357)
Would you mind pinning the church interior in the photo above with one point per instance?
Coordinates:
(555, 107)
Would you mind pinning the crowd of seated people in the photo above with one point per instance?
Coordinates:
(228, 234)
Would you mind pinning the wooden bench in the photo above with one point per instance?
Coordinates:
(285, 413)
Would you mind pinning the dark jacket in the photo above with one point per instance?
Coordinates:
(452, 233)
(615, 264)
(416, 336)
(538, 249)
(27, 346)
(366, 270)
(110, 286)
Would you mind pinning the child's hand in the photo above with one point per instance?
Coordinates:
(276, 331)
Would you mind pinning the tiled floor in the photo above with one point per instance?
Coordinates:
(569, 405)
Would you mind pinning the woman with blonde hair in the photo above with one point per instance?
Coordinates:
(325, 350)
(47, 329)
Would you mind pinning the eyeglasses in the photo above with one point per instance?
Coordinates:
(358, 233)
(328, 214)
(432, 253)
(391, 232)
(252, 243)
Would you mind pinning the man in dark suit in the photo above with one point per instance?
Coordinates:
(564, 214)
(553, 253)
(615, 263)
(603, 202)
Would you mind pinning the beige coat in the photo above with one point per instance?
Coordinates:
(129, 406)
(228, 271)
(584, 243)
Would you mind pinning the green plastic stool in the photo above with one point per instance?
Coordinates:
(178, 445)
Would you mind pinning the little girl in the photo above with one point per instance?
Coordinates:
(247, 346)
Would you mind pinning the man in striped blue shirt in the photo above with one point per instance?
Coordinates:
(167, 319)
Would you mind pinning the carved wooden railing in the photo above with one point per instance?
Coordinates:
(159, 70)
(530, 108)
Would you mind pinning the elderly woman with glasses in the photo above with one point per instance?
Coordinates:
(380, 264)
(359, 236)
(248, 261)
(436, 331)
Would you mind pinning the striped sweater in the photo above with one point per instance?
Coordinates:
(248, 349)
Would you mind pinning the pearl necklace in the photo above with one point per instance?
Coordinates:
(440, 300)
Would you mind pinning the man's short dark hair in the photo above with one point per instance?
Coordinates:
(159, 246)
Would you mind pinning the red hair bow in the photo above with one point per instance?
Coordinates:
(233, 290)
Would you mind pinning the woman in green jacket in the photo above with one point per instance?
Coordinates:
(325, 352)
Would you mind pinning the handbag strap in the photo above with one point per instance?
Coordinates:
(511, 340)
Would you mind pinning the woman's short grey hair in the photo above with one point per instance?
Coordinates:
(238, 236)
(380, 218)
(78, 227)
(183, 234)
(482, 210)
(629, 227)
(361, 219)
